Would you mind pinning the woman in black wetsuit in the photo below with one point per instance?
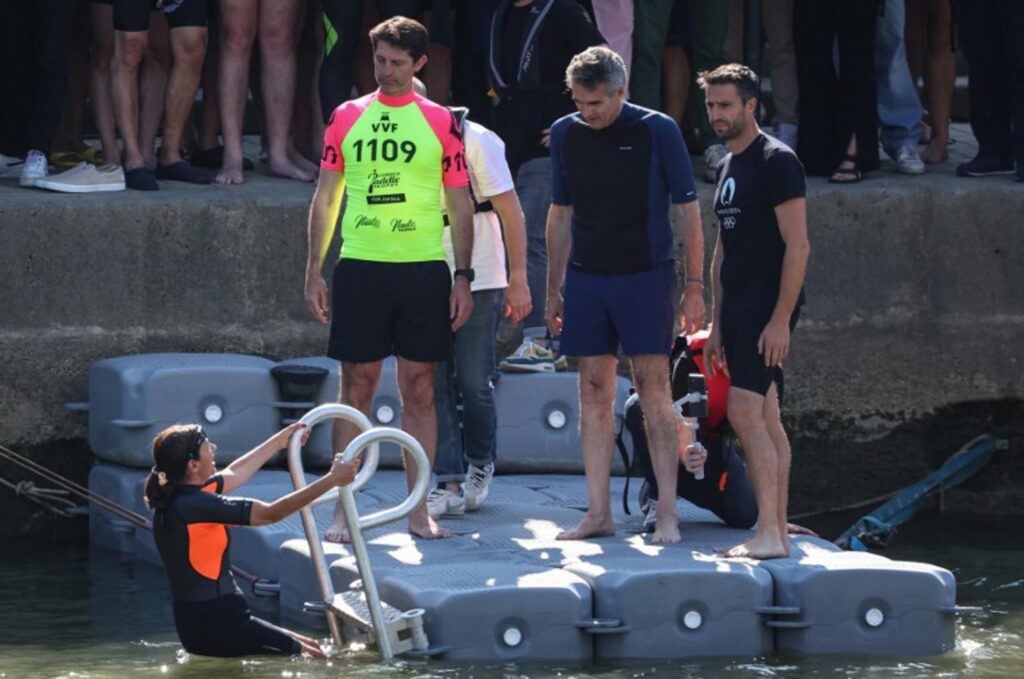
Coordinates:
(191, 515)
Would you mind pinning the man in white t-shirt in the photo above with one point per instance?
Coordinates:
(464, 463)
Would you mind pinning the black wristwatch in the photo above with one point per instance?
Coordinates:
(468, 273)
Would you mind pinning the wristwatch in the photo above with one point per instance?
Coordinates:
(468, 273)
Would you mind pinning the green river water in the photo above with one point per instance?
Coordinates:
(66, 612)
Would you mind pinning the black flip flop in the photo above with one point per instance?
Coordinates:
(213, 159)
(182, 171)
(140, 179)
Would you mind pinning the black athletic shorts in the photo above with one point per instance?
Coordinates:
(224, 628)
(133, 15)
(741, 329)
(382, 309)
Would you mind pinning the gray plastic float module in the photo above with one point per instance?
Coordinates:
(855, 602)
(132, 398)
(123, 486)
(385, 411)
(538, 422)
(671, 602)
(497, 609)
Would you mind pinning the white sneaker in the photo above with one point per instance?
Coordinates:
(35, 168)
(908, 161)
(11, 166)
(713, 157)
(443, 502)
(475, 489)
(85, 178)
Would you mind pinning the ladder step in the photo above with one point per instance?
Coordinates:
(405, 629)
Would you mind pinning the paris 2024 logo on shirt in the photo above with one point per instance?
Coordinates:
(727, 214)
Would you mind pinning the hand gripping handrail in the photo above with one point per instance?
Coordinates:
(368, 440)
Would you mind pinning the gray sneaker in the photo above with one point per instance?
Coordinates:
(713, 157)
(908, 161)
(85, 178)
(476, 487)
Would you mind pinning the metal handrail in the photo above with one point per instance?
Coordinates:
(298, 474)
(357, 524)
(369, 440)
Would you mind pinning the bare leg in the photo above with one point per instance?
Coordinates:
(278, 25)
(129, 48)
(773, 421)
(69, 135)
(102, 45)
(846, 172)
(597, 394)
(188, 43)
(438, 78)
(650, 373)
(155, 71)
(209, 124)
(675, 82)
(746, 412)
(239, 20)
(939, 80)
(416, 385)
(307, 130)
(358, 385)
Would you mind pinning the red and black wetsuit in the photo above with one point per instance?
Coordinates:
(210, 613)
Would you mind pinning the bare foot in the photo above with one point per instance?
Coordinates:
(230, 174)
(289, 170)
(936, 151)
(757, 548)
(337, 533)
(428, 530)
(589, 527)
(666, 531)
(302, 162)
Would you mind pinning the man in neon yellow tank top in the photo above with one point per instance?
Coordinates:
(389, 154)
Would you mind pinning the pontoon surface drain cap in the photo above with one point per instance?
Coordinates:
(512, 637)
(556, 418)
(213, 413)
(385, 414)
(874, 617)
(692, 620)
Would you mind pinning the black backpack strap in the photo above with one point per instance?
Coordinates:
(621, 445)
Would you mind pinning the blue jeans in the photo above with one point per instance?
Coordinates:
(471, 374)
(533, 185)
(899, 107)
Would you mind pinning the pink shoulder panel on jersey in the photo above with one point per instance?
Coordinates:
(341, 122)
(442, 121)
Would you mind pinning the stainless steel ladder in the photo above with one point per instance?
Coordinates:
(394, 631)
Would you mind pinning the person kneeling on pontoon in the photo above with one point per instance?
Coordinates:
(190, 519)
(712, 474)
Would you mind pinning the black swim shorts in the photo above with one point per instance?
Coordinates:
(741, 329)
(133, 15)
(384, 308)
